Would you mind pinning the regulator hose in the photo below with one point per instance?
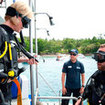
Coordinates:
(5, 50)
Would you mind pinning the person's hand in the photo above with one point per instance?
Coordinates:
(64, 91)
(78, 102)
(31, 61)
(82, 90)
(9, 80)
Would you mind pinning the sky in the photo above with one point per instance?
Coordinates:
(72, 18)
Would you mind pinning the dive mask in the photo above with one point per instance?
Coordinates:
(12, 12)
(99, 56)
(25, 21)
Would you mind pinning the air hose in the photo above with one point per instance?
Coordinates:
(10, 52)
(19, 95)
(5, 50)
(11, 73)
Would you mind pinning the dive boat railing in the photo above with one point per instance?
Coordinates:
(58, 97)
(52, 97)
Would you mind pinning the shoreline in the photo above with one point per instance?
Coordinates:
(62, 54)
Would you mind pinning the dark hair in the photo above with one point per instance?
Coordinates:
(11, 12)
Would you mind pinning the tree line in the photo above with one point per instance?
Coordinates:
(84, 46)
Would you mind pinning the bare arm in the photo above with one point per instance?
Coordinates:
(83, 79)
(83, 83)
(63, 80)
(25, 59)
(22, 59)
(63, 84)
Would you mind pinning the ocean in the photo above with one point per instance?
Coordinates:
(51, 71)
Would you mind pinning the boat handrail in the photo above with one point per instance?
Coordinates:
(52, 97)
(56, 97)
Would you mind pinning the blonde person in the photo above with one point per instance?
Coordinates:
(17, 16)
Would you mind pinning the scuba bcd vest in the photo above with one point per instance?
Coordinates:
(8, 66)
(95, 89)
(8, 59)
(8, 53)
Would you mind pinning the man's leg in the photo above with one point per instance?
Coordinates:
(76, 93)
(66, 101)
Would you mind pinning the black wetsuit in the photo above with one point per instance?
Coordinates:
(5, 64)
(95, 89)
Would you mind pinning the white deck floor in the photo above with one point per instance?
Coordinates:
(24, 102)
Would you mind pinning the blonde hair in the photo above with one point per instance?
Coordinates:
(23, 9)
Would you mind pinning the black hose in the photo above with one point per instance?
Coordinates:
(23, 50)
(22, 39)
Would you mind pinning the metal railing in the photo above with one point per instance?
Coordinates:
(52, 97)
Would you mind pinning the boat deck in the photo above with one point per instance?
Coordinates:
(24, 101)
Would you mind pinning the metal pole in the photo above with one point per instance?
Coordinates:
(36, 45)
(31, 66)
(59, 95)
(36, 95)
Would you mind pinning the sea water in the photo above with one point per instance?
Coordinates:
(51, 71)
